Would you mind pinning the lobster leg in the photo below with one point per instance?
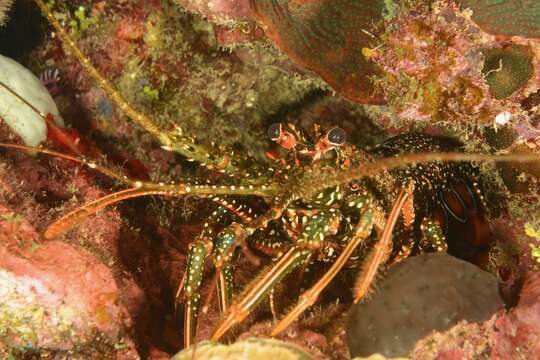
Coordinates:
(225, 245)
(198, 252)
(379, 255)
(314, 231)
(221, 250)
(191, 281)
(237, 312)
(433, 237)
(362, 230)
(406, 248)
(406, 236)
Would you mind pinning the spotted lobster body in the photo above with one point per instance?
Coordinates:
(449, 194)
(446, 211)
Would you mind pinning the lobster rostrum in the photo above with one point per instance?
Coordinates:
(325, 200)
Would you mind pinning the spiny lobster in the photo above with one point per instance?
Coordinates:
(323, 201)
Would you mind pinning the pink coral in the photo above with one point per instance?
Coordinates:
(517, 334)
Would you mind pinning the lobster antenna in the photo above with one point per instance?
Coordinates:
(76, 216)
(138, 189)
(173, 189)
(174, 141)
(386, 164)
(23, 100)
(91, 164)
(109, 89)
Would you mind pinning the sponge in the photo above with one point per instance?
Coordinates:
(19, 116)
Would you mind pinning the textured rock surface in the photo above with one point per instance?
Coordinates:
(421, 294)
(263, 349)
(511, 335)
(517, 334)
(506, 17)
(219, 11)
(59, 298)
(327, 37)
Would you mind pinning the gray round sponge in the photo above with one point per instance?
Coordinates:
(417, 296)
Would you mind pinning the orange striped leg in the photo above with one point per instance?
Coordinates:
(362, 230)
(266, 282)
(314, 231)
(407, 244)
(379, 255)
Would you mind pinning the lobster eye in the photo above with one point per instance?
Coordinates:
(336, 136)
(274, 131)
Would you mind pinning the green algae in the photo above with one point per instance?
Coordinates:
(532, 230)
(182, 77)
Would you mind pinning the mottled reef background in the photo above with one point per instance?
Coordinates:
(225, 70)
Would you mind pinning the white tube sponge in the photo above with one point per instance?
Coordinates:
(21, 118)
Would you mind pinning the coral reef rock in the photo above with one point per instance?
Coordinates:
(60, 299)
(518, 332)
(506, 17)
(509, 335)
(418, 295)
(327, 37)
(4, 9)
